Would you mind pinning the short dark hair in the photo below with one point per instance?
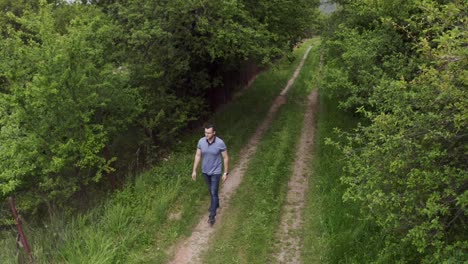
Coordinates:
(210, 125)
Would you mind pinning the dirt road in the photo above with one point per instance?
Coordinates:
(288, 249)
(190, 249)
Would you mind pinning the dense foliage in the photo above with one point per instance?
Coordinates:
(61, 103)
(81, 81)
(403, 66)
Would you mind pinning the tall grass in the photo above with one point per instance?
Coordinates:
(139, 223)
(334, 231)
(246, 233)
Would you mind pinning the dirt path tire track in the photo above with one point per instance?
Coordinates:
(190, 249)
(288, 237)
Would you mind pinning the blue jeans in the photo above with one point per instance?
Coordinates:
(213, 186)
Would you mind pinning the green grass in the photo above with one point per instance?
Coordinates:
(133, 225)
(334, 231)
(246, 232)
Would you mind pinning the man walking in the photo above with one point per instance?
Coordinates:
(210, 150)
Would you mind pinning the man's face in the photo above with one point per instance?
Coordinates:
(209, 133)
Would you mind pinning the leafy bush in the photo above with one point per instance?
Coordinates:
(61, 102)
(408, 166)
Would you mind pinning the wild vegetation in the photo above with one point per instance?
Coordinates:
(85, 86)
(402, 67)
(140, 223)
(92, 90)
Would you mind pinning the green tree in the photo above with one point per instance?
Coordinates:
(290, 22)
(406, 74)
(61, 102)
(179, 51)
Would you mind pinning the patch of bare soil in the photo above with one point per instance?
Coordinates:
(288, 237)
(190, 249)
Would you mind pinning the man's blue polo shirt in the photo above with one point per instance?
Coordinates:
(211, 155)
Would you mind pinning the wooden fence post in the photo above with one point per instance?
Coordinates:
(20, 229)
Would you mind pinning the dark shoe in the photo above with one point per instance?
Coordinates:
(211, 220)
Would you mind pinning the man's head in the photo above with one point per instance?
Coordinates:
(210, 131)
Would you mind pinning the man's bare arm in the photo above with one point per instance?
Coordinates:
(195, 164)
(226, 164)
